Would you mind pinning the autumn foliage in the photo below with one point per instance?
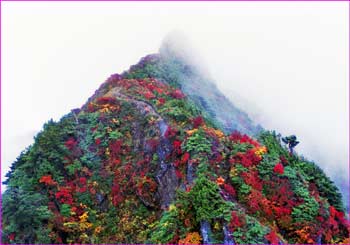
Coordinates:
(141, 164)
(278, 168)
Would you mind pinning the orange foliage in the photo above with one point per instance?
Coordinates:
(191, 238)
(304, 235)
(220, 181)
(47, 180)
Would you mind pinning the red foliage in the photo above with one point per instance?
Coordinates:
(272, 237)
(116, 161)
(159, 90)
(98, 141)
(280, 191)
(235, 222)
(232, 160)
(248, 159)
(178, 174)
(151, 86)
(281, 200)
(185, 158)
(70, 143)
(47, 180)
(116, 195)
(252, 178)
(187, 222)
(149, 95)
(161, 101)
(279, 169)
(177, 163)
(152, 144)
(266, 207)
(281, 211)
(90, 108)
(239, 138)
(335, 216)
(116, 147)
(254, 199)
(82, 180)
(197, 121)
(105, 100)
(92, 191)
(177, 94)
(177, 146)
(332, 211)
(64, 195)
(12, 236)
(59, 239)
(244, 160)
(230, 190)
(170, 132)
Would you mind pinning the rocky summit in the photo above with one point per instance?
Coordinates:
(159, 155)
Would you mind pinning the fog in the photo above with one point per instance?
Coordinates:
(286, 64)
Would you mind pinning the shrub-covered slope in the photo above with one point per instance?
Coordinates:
(144, 161)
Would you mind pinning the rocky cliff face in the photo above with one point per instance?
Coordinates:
(158, 155)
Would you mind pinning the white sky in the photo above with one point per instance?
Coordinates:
(285, 63)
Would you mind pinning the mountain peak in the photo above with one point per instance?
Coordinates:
(158, 155)
(176, 44)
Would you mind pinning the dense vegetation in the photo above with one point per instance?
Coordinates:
(142, 162)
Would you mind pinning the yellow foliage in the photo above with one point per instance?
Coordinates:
(104, 110)
(107, 151)
(191, 238)
(84, 238)
(71, 226)
(152, 120)
(83, 206)
(83, 223)
(84, 217)
(84, 226)
(115, 121)
(216, 226)
(233, 172)
(260, 151)
(172, 207)
(219, 133)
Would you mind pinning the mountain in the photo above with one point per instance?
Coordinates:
(159, 155)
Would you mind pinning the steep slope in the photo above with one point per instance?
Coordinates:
(145, 160)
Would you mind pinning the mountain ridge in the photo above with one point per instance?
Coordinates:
(159, 155)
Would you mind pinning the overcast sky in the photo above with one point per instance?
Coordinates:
(285, 63)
